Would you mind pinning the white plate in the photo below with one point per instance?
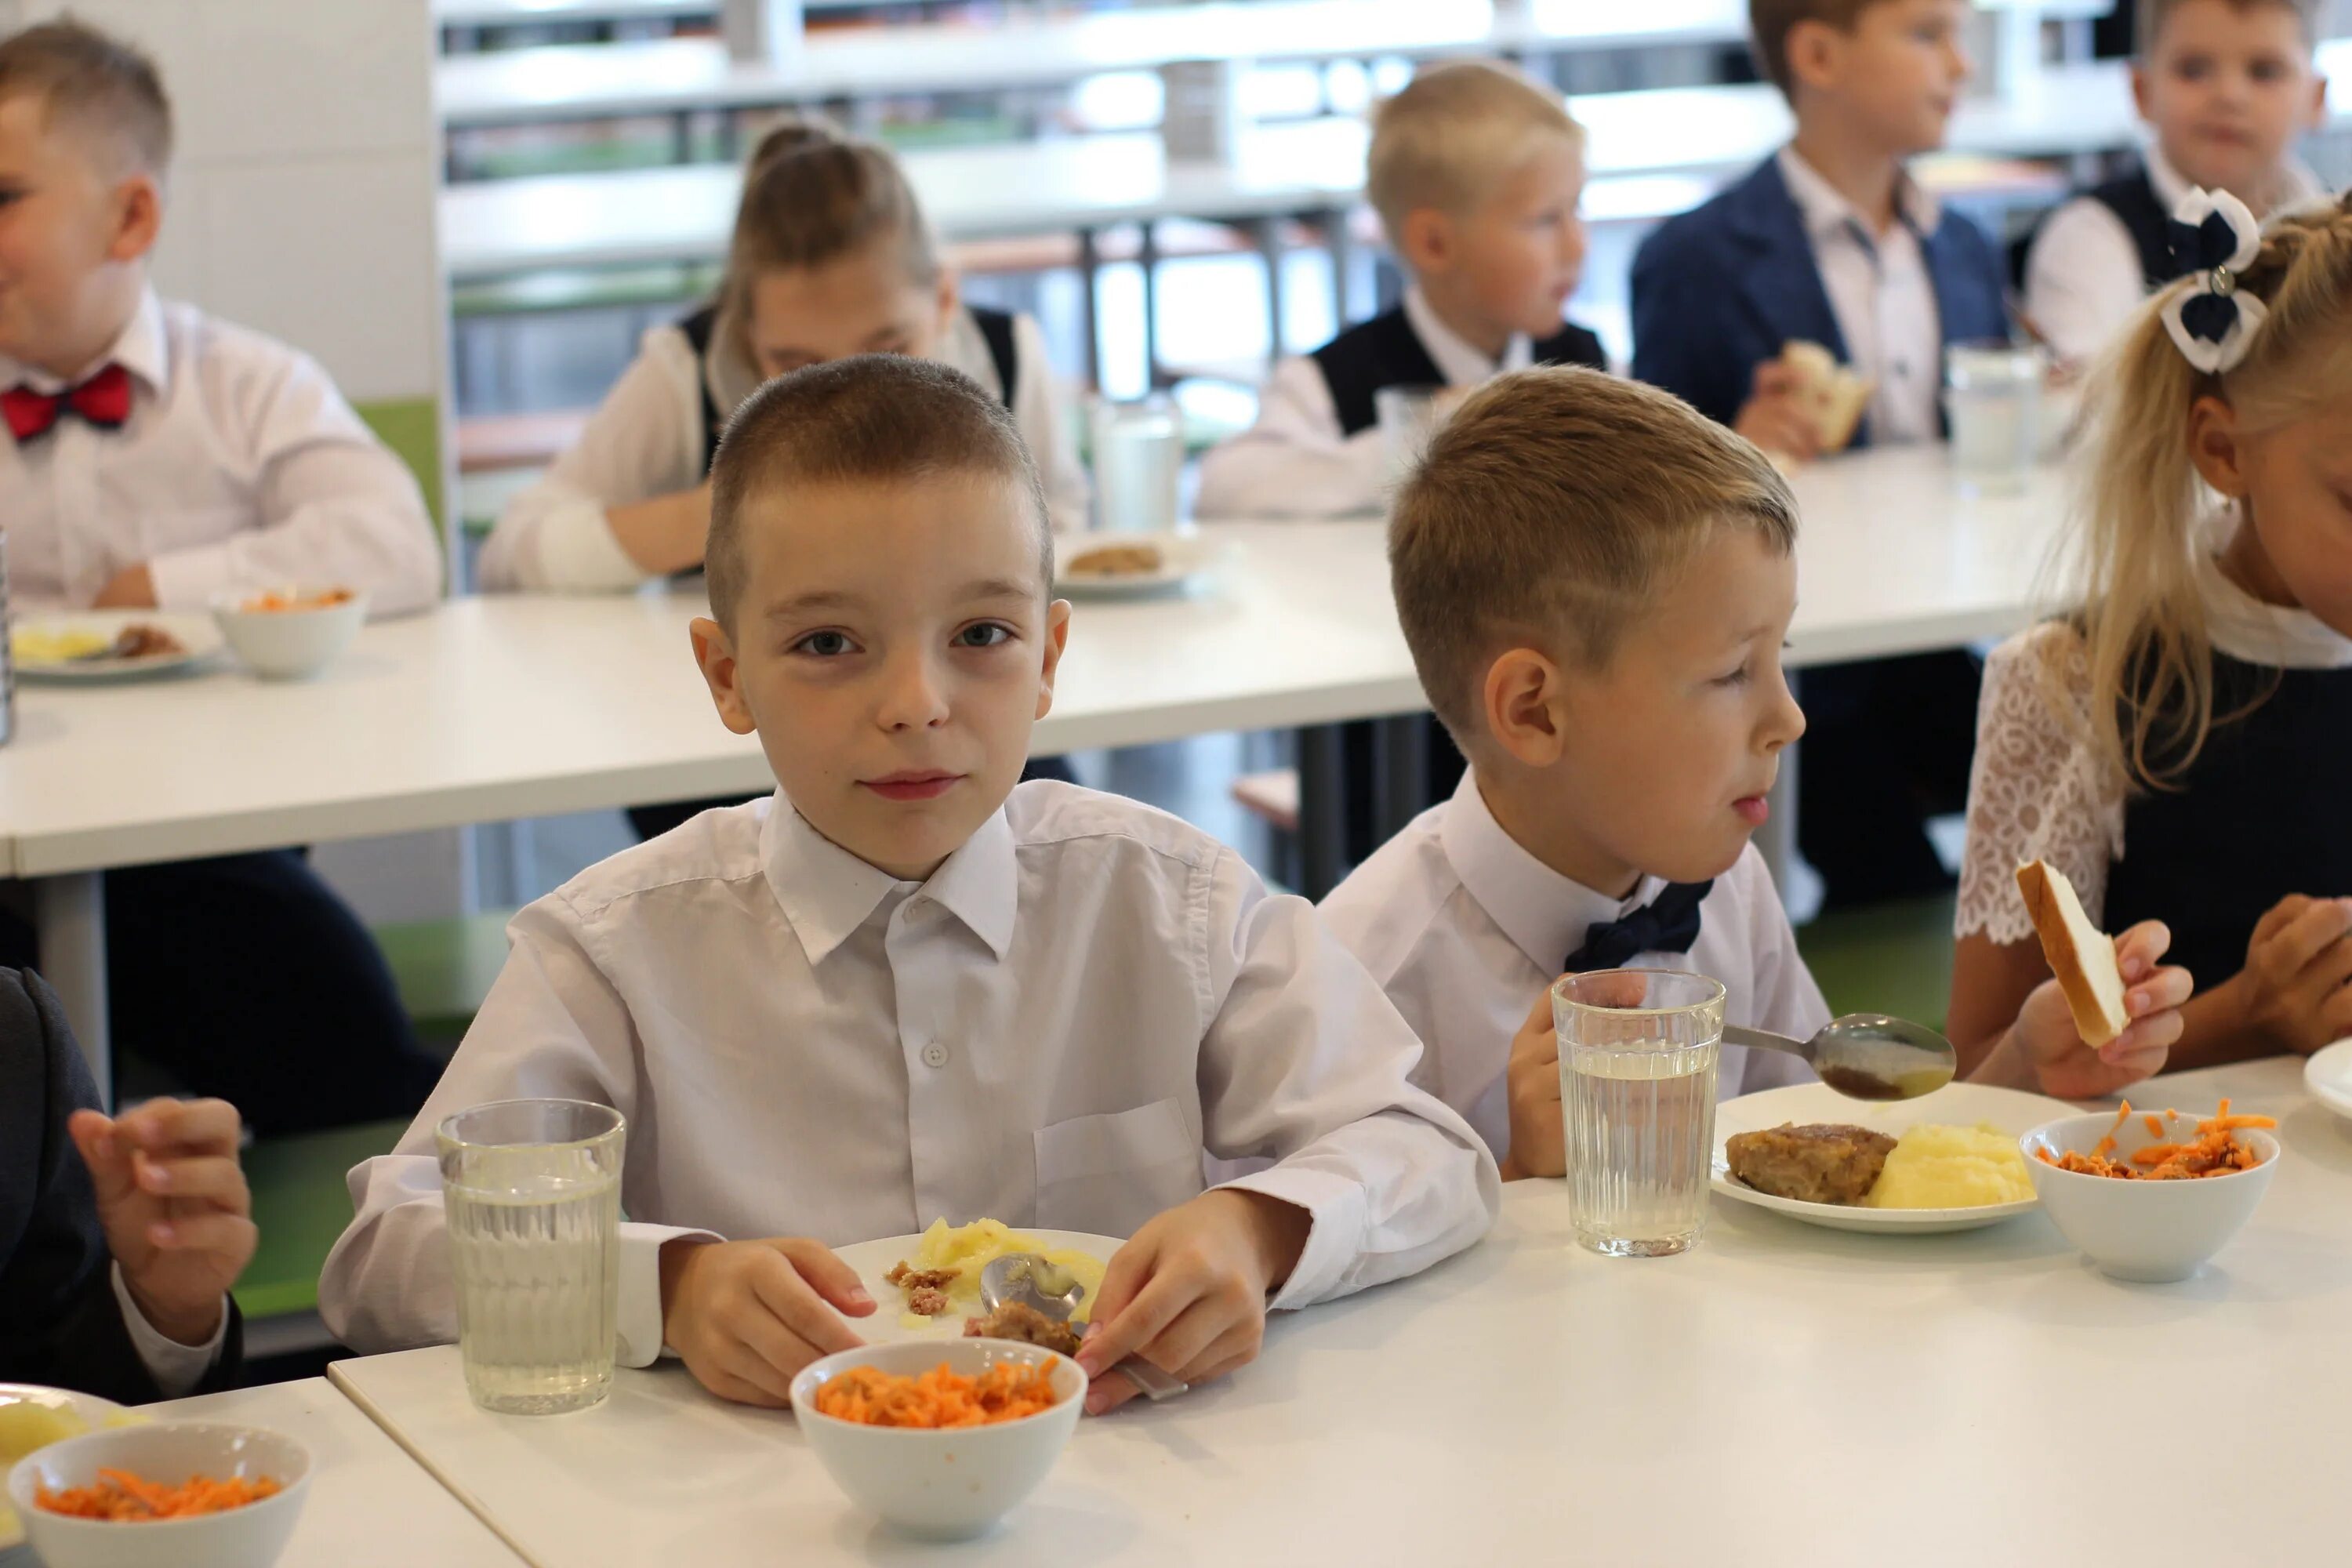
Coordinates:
(1185, 559)
(95, 1413)
(197, 634)
(1955, 1105)
(873, 1259)
(2328, 1075)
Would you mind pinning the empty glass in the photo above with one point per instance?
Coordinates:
(533, 1191)
(1637, 1066)
(1992, 399)
(1138, 450)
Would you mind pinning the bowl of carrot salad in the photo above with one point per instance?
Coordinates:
(940, 1439)
(2150, 1195)
(187, 1494)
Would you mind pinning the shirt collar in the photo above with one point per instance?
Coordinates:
(2296, 184)
(2246, 628)
(139, 348)
(1460, 362)
(827, 893)
(1828, 214)
(1544, 914)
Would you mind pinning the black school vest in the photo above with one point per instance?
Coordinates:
(2134, 201)
(995, 331)
(2259, 814)
(1386, 352)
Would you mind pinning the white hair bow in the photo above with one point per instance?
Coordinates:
(2213, 238)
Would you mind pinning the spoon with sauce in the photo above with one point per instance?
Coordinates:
(1866, 1056)
(1054, 1291)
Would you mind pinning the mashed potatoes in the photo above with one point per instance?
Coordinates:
(969, 1249)
(1951, 1168)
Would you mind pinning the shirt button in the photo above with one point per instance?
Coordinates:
(935, 1055)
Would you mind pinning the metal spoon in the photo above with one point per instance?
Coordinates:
(1026, 1278)
(1867, 1056)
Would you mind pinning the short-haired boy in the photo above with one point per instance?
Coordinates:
(1476, 173)
(1596, 582)
(150, 456)
(2227, 86)
(904, 988)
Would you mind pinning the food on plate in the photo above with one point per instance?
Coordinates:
(940, 1397)
(1935, 1167)
(277, 600)
(2081, 955)
(26, 1424)
(122, 1495)
(958, 1254)
(1115, 561)
(1821, 1164)
(2212, 1150)
(139, 640)
(34, 646)
(1020, 1320)
(1833, 395)
(926, 1289)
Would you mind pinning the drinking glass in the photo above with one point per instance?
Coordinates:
(533, 1191)
(1409, 417)
(1138, 450)
(1637, 1066)
(1992, 399)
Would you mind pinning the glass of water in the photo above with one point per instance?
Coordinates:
(533, 1191)
(1992, 400)
(1138, 450)
(1637, 1060)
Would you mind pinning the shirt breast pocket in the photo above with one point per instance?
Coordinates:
(1106, 1175)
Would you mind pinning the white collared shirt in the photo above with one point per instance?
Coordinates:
(240, 466)
(2083, 279)
(647, 439)
(1053, 1030)
(1297, 462)
(176, 1368)
(1465, 929)
(1883, 295)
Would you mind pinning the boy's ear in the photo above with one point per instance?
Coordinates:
(2318, 116)
(2139, 83)
(951, 296)
(1815, 49)
(2215, 446)
(714, 654)
(1523, 702)
(1427, 243)
(1056, 638)
(138, 218)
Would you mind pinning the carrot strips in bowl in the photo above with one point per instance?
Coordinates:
(2213, 1152)
(940, 1397)
(124, 1496)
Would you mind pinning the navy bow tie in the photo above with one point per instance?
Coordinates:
(1668, 923)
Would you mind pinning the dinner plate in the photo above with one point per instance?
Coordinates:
(873, 1259)
(95, 1414)
(2328, 1075)
(198, 636)
(1955, 1105)
(1184, 560)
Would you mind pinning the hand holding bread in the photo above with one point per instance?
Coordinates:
(2109, 1015)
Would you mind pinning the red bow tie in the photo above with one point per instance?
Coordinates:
(104, 400)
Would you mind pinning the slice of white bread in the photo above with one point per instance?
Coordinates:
(2082, 956)
(1834, 396)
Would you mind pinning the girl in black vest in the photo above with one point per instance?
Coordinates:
(830, 257)
(2179, 745)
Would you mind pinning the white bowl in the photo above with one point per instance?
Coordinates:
(2151, 1232)
(168, 1452)
(287, 645)
(945, 1484)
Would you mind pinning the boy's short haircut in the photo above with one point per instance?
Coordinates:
(1549, 512)
(1452, 133)
(99, 86)
(871, 417)
(2150, 15)
(1769, 23)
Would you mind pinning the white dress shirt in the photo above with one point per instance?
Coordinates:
(1053, 1030)
(647, 439)
(1297, 462)
(1883, 295)
(176, 1368)
(1465, 929)
(240, 466)
(2083, 276)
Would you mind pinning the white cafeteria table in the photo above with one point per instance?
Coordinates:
(1780, 1395)
(495, 708)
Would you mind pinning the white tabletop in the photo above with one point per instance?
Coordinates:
(1780, 1395)
(489, 709)
(371, 1505)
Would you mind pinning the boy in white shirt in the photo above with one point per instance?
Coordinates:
(1476, 173)
(1596, 582)
(152, 456)
(2227, 86)
(904, 989)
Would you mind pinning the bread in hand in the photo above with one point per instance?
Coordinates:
(1833, 396)
(2082, 956)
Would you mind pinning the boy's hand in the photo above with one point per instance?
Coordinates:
(1188, 1293)
(746, 1316)
(2292, 987)
(132, 588)
(2053, 1048)
(1775, 416)
(174, 1207)
(1538, 1136)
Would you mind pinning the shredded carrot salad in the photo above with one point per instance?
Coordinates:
(273, 601)
(2213, 1152)
(940, 1397)
(121, 1495)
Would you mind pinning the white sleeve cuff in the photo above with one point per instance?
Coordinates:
(639, 1317)
(1335, 1208)
(187, 580)
(176, 1368)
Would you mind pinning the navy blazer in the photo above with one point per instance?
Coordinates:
(59, 1320)
(1727, 285)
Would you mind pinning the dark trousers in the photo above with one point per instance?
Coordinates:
(1888, 745)
(247, 978)
(653, 821)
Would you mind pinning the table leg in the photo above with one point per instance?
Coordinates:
(1089, 273)
(1147, 255)
(1400, 787)
(1269, 245)
(1777, 839)
(1322, 811)
(70, 915)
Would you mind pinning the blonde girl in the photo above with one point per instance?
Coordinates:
(830, 257)
(2181, 744)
